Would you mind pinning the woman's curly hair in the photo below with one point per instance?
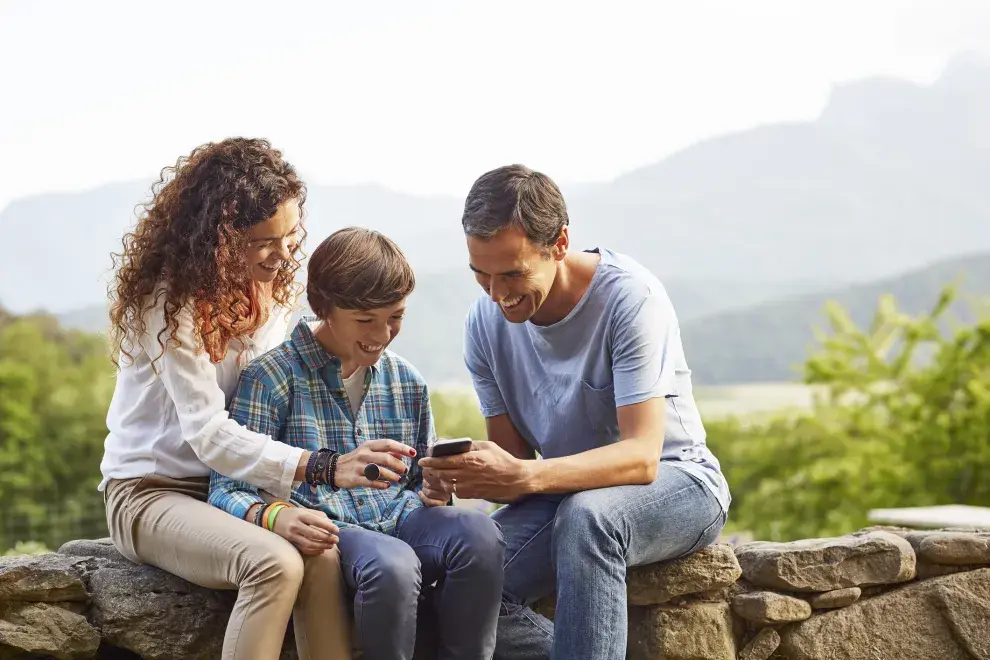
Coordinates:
(189, 246)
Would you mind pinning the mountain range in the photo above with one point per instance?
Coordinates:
(766, 342)
(743, 229)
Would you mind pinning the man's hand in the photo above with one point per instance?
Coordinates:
(312, 532)
(488, 472)
(433, 493)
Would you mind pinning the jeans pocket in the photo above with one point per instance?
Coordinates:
(710, 534)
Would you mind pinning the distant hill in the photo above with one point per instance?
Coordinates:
(432, 333)
(890, 177)
(761, 343)
(770, 341)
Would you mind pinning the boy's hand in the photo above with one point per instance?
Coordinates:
(386, 454)
(433, 493)
(312, 532)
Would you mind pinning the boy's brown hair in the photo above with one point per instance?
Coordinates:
(357, 268)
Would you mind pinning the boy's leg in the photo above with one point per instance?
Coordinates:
(463, 549)
(598, 533)
(384, 575)
(527, 527)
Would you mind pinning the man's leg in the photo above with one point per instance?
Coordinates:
(463, 549)
(598, 533)
(527, 528)
(384, 574)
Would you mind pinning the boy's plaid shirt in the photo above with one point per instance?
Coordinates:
(295, 393)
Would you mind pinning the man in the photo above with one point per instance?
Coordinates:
(364, 412)
(575, 356)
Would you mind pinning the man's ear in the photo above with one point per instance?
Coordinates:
(559, 249)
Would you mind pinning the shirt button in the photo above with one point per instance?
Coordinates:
(360, 502)
(358, 430)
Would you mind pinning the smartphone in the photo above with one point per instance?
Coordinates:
(449, 447)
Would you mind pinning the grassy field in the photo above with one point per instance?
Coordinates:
(752, 399)
(721, 401)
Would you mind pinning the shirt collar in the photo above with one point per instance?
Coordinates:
(312, 352)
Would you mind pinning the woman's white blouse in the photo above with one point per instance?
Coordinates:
(171, 418)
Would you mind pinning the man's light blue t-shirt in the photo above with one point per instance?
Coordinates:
(561, 384)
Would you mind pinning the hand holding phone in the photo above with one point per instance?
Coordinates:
(451, 447)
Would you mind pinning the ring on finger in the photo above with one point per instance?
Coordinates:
(372, 472)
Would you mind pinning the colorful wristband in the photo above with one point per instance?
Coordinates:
(272, 513)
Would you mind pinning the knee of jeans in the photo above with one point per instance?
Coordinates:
(281, 563)
(397, 571)
(480, 541)
(582, 517)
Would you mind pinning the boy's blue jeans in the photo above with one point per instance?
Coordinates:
(461, 549)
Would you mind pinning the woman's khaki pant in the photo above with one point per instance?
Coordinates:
(167, 523)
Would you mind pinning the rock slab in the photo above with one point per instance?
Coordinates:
(761, 646)
(834, 599)
(952, 548)
(48, 578)
(827, 564)
(765, 608)
(708, 569)
(700, 631)
(42, 629)
(944, 618)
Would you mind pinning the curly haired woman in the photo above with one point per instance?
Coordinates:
(204, 285)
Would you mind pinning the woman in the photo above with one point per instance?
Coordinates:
(203, 286)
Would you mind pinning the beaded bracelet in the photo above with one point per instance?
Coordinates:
(321, 468)
(332, 472)
(311, 467)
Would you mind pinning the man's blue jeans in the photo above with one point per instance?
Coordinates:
(460, 548)
(580, 545)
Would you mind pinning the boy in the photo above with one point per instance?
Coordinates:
(334, 387)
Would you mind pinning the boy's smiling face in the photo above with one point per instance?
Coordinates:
(359, 337)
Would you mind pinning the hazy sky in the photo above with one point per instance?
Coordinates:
(424, 98)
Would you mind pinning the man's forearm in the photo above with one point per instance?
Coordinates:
(625, 463)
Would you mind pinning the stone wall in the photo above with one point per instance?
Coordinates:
(875, 594)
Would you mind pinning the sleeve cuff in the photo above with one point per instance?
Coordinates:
(240, 506)
(493, 411)
(288, 457)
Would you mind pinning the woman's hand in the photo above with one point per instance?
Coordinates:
(387, 454)
(312, 532)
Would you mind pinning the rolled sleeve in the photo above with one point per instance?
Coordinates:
(234, 497)
(645, 346)
(475, 359)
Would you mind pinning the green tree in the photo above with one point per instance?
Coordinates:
(55, 387)
(456, 415)
(904, 421)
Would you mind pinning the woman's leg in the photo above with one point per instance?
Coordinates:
(321, 620)
(464, 548)
(167, 523)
